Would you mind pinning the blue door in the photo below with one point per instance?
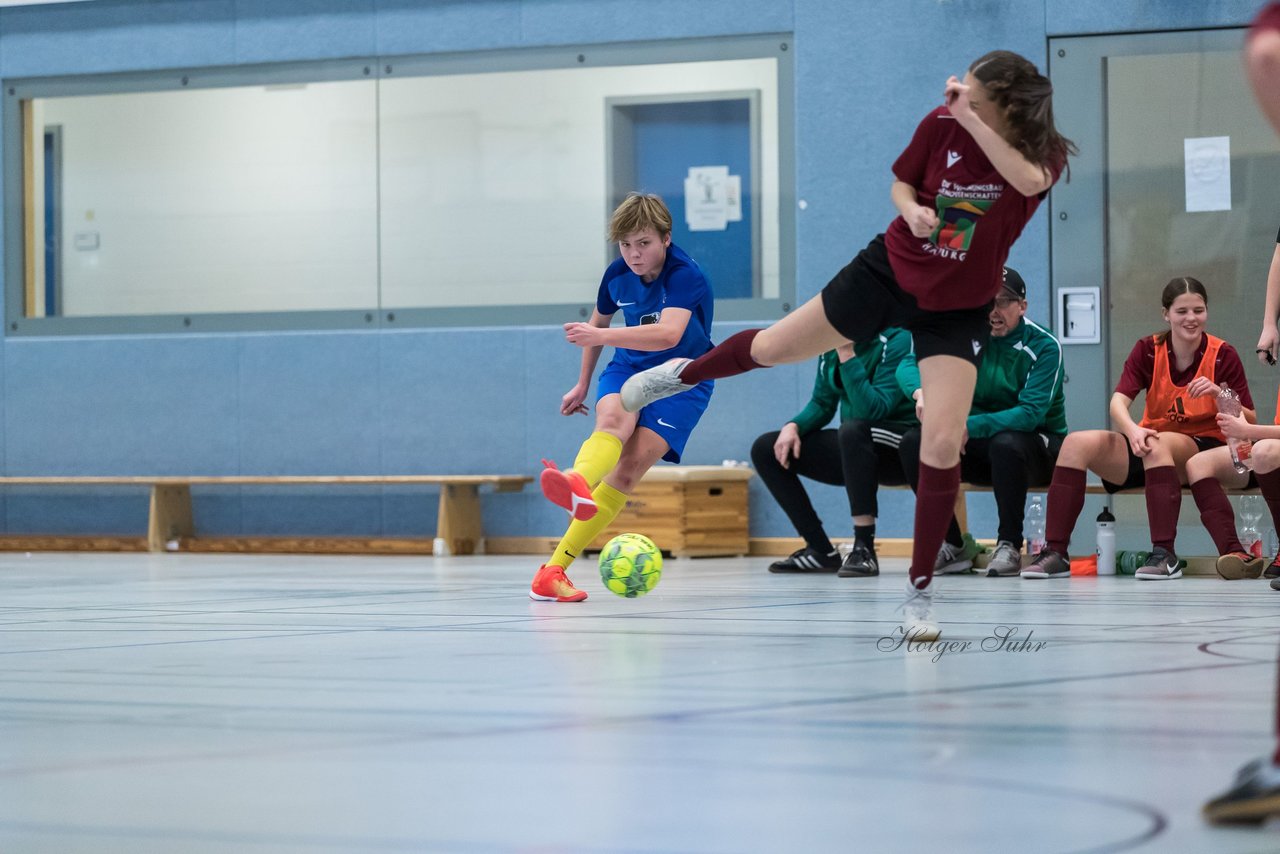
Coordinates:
(668, 139)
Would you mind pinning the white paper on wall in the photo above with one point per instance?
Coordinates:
(706, 198)
(1207, 162)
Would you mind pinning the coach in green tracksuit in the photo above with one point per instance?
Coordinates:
(1015, 427)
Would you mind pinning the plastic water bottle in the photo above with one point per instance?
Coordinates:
(1106, 542)
(1252, 508)
(1241, 449)
(1035, 525)
(1127, 562)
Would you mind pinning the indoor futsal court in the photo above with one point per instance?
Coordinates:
(346, 345)
(202, 703)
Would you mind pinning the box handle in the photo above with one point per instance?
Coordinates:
(715, 490)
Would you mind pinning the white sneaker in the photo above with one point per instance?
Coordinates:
(644, 388)
(918, 623)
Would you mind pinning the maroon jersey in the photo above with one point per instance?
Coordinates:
(1138, 374)
(979, 216)
(1268, 19)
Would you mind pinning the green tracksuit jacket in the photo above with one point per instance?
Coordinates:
(1019, 384)
(865, 387)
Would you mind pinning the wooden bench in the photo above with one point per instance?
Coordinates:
(962, 515)
(170, 518)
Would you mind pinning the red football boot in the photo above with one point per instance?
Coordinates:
(550, 584)
(569, 490)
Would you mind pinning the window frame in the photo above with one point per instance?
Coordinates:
(17, 172)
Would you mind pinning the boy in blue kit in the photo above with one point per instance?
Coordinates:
(666, 304)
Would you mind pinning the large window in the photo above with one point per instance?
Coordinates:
(430, 190)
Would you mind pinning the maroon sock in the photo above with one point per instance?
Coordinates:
(935, 505)
(1269, 483)
(1065, 500)
(730, 357)
(1164, 499)
(1216, 515)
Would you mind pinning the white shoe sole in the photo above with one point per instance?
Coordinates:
(920, 632)
(954, 568)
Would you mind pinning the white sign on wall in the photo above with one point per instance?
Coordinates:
(1207, 164)
(712, 198)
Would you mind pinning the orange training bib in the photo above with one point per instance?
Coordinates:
(1168, 407)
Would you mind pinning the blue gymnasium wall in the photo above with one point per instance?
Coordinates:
(475, 400)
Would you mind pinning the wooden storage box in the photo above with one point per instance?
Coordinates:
(690, 511)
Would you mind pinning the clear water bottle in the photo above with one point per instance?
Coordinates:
(1252, 509)
(1241, 449)
(1106, 542)
(1035, 525)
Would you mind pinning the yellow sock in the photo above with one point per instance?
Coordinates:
(609, 502)
(597, 457)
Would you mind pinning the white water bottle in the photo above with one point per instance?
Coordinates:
(1035, 525)
(1106, 542)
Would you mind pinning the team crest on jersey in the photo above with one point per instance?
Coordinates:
(653, 317)
(957, 220)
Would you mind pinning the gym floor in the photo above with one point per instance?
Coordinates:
(237, 703)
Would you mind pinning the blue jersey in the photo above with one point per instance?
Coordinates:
(681, 284)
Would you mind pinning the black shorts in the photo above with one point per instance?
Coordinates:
(864, 299)
(1137, 475)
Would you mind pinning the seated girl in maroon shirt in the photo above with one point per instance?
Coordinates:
(1181, 371)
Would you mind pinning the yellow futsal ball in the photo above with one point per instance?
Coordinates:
(630, 565)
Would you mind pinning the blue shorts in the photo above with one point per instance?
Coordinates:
(673, 418)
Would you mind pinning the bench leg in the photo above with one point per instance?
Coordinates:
(962, 511)
(170, 516)
(458, 523)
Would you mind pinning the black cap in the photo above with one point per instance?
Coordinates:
(1013, 283)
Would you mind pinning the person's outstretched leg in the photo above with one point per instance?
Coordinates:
(802, 334)
(951, 556)
(1266, 468)
(862, 461)
(1014, 460)
(641, 451)
(819, 460)
(551, 584)
(946, 383)
(1165, 469)
(571, 489)
(1207, 472)
(1254, 796)
(1106, 453)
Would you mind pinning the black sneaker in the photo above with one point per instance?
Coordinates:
(807, 560)
(1048, 564)
(861, 563)
(1253, 798)
(1275, 584)
(1161, 566)
(1273, 568)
